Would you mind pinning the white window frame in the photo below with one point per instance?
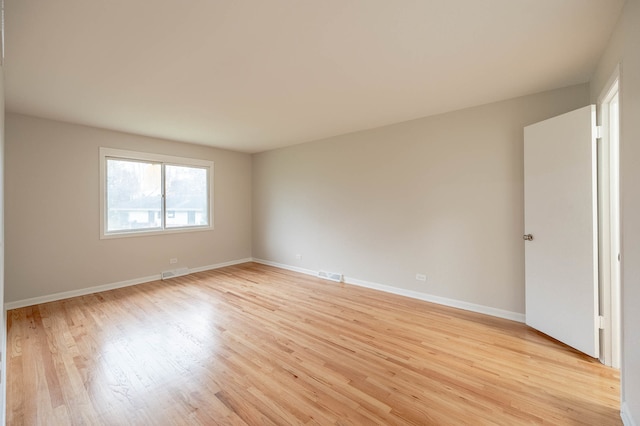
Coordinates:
(106, 153)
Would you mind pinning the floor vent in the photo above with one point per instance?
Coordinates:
(175, 273)
(333, 276)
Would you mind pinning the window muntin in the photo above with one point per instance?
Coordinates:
(145, 193)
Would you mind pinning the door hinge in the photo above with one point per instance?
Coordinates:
(601, 322)
(598, 132)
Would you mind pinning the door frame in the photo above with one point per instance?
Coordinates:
(608, 108)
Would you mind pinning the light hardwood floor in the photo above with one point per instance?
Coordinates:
(252, 344)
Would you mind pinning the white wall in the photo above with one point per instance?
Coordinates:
(52, 211)
(442, 196)
(623, 49)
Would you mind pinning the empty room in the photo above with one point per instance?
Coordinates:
(367, 212)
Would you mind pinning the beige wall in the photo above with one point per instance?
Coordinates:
(608, 62)
(623, 49)
(3, 333)
(442, 196)
(52, 214)
(630, 197)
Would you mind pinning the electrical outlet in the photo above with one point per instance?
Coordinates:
(173, 260)
(298, 256)
(421, 277)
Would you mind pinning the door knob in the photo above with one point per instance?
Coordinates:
(527, 237)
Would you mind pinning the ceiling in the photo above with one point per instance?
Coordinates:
(253, 75)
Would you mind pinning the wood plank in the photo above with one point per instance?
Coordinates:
(253, 344)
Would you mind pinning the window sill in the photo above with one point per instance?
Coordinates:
(129, 234)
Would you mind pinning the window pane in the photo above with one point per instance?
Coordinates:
(187, 196)
(134, 196)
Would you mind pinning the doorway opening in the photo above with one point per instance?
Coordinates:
(609, 222)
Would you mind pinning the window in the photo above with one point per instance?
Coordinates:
(151, 193)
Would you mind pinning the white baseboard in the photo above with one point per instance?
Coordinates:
(75, 293)
(112, 286)
(627, 420)
(220, 265)
(287, 267)
(487, 310)
(514, 316)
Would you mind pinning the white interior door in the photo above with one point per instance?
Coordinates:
(561, 259)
